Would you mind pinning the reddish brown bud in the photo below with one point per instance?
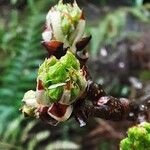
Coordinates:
(83, 43)
(40, 85)
(54, 48)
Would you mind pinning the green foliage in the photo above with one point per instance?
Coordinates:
(111, 27)
(19, 135)
(138, 138)
(16, 135)
(20, 72)
(7, 113)
(62, 145)
(20, 46)
(137, 2)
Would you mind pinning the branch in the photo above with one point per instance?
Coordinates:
(108, 107)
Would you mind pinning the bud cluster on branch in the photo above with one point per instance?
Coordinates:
(65, 88)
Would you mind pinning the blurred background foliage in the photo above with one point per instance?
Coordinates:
(119, 60)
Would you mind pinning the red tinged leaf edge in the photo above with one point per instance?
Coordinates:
(44, 116)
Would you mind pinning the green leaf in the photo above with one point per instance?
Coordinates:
(69, 60)
(55, 94)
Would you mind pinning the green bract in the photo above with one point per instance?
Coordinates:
(70, 61)
(70, 15)
(61, 75)
(55, 93)
(138, 138)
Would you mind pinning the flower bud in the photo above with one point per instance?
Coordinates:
(30, 99)
(64, 23)
(62, 79)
